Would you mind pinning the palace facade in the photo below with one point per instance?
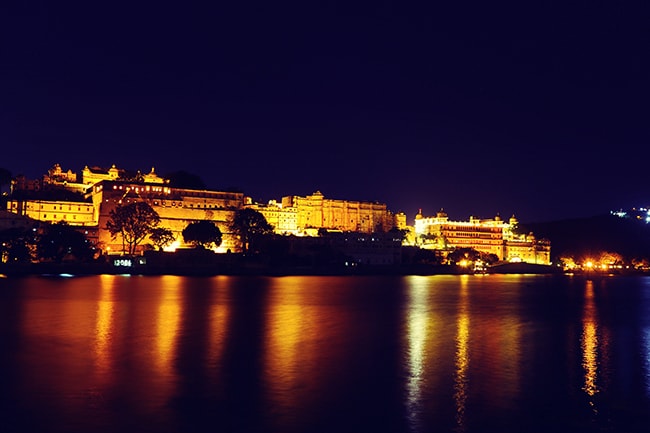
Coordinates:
(304, 216)
(177, 208)
(99, 191)
(489, 236)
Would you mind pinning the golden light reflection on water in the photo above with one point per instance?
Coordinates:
(292, 333)
(462, 355)
(457, 324)
(417, 338)
(589, 342)
(167, 323)
(105, 325)
(595, 347)
(58, 327)
(422, 323)
(219, 316)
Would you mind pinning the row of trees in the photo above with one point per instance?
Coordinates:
(51, 242)
(133, 223)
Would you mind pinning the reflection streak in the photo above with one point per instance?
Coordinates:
(104, 325)
(219, 316)
(462, 356)
(167, 323)
(292, 330)
(417, 336)
(589, 346)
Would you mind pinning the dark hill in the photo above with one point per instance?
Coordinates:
(586, 236)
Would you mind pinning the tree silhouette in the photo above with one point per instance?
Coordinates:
(202, 233)
(57, 241)
(134, 222)
(16, 245)
(249, 225)
(161, 237)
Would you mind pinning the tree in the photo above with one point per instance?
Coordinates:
(56, 241)
(249, 225)
(134, 222)
(202, 233)
(463, 255)
(399, 233)
(16, 245)
(161, 237)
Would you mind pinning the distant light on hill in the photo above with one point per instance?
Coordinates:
(641, 214)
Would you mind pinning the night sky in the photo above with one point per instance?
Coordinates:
(535, 109)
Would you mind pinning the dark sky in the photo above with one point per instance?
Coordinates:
(535, 109)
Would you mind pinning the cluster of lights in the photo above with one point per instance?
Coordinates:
(592, 265)
(641, 213)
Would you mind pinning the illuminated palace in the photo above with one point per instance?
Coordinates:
(102, 190)
(490, 236)
(177, 208)
(306, 215)
(87, 203)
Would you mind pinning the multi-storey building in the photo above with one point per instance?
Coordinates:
(315, 211)
(490, 236)
(283, 219)
(177, 208)
(75, 213)
(91, 176)
(106, 189)
(304, 216)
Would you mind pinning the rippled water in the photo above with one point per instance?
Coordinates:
(511, 353)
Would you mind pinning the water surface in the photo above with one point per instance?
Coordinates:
(506, 353)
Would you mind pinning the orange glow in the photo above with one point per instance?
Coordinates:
(168, 319)
(421, 324)
(291, 350)
(462, 355)
(219, 317)
(589, 346)
(104, 338)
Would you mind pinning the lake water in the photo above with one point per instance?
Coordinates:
(466, 353)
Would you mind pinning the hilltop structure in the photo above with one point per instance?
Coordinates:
(86, 202)
(305, 216)
(490, 236)
(98, 191)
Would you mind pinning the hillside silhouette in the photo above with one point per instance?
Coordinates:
(587, 236)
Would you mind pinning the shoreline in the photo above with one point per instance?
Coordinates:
(257, 269)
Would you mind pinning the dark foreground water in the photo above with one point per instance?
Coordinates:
(325, 354)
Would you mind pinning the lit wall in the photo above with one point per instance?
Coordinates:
(490, 236)
(315, 211)
(176, 207)
(73, 213)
